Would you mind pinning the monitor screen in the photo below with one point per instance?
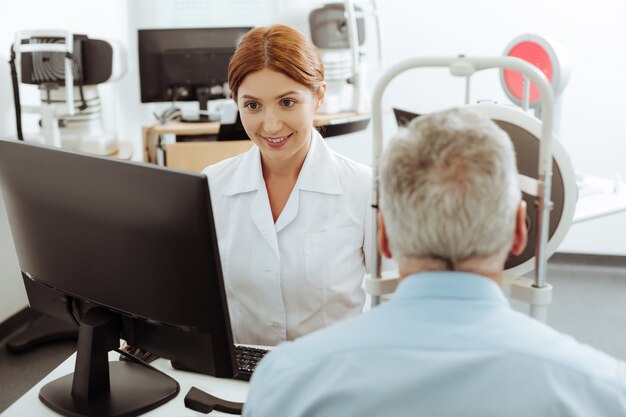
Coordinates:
(186, 64)
(130, 247)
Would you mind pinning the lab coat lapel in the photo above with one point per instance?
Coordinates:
(249, 178)
(248, 175)
(290, 211)
(261, 214)
(319, 174)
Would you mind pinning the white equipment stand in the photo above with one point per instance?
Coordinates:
(85, 129)
(537, 292)
(50, 113)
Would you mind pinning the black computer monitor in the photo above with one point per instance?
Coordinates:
(186, 64)
(129, 251)
(232, 131)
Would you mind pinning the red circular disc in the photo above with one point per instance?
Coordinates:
(535, 54)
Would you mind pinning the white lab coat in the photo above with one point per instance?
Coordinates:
(305, 271)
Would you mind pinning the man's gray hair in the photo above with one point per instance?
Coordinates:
(449, 188)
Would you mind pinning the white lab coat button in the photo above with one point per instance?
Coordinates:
(275, 325)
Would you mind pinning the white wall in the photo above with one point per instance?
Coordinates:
(595, 37)
(593, 102)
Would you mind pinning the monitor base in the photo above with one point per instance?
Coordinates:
(102, 388)
(135, 390)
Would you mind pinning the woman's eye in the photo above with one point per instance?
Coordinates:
(253, 105)
(287, 102)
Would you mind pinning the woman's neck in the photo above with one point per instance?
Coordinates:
(281, 169)
(280, 177)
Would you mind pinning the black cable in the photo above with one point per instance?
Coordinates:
(16, 95)
(141, 362)
(79, 81)
(69, 304)
(134, 358)
(82, 97)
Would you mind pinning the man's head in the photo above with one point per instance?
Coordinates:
(450, 197)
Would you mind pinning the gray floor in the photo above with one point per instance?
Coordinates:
(588, 304)
(19, 373)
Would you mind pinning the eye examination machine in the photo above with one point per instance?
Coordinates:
(338, 31)
(67, 68)
(546, 176)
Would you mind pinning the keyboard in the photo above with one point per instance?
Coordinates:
(248, 358)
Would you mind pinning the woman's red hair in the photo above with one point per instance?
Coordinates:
(279, 48)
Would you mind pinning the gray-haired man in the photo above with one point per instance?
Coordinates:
(447, 344)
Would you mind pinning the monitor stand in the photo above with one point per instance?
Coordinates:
(103, 388)
(203, 94)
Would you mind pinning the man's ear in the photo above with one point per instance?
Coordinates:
(520, 237)
(383, 241)
(320, 94)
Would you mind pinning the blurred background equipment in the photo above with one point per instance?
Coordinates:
(546, 55)
(67, 68)
(338, 31)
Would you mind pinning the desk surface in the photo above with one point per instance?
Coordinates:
(124, 151)
(181, 128)
(228, 389)
(599, 197)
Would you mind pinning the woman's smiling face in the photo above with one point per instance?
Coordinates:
(277, 114)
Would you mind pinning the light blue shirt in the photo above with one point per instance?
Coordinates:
(447, 344)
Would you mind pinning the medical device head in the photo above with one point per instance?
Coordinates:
(449, 188)
(329, 26)
(547, 55)
(338, 31)
(95, 61)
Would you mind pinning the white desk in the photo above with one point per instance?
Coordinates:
(228, 389)
(599, 197)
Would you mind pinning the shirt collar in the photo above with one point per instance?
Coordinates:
(320, 172)
(450, 285)
(249, 173)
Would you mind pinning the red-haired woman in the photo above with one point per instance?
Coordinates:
(292, 216)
